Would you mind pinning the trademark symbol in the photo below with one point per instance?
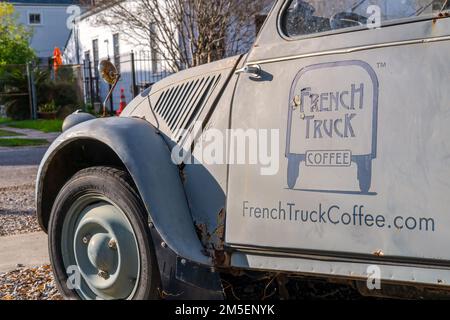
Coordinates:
(381, 65)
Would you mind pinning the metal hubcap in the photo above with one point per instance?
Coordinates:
(100, 254)
(98, 238)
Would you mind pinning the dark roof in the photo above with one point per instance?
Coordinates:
(46, 2)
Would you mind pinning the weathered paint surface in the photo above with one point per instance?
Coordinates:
(147, 158)
(363, 176)
(363, 124)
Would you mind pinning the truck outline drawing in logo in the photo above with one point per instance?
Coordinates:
(339, 135)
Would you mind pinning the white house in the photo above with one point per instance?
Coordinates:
(91, 42)
(48, 20)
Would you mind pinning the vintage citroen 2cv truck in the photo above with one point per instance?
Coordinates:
(363, 180)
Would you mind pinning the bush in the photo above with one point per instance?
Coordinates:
(14, 81)
(48, 107)
(17, 104)
(66, 110)
(62, 93)
(18, 109)
(65, 74)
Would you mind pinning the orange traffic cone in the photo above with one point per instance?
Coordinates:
(123, 103)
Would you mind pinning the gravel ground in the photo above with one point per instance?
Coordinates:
(18, 170)
(17, 210)
(29, 284)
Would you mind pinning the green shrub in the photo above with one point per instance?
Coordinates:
(48, 107)
(66, 110)
(65, 74)
(89, 108)
(14, 81)
(62, 93)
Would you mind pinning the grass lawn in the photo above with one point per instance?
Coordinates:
(7, 133)
(4, 120)
(18, 142)
(41, 125)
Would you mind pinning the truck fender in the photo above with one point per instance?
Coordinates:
(147, 157)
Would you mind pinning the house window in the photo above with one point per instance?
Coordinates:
(116, 51)
(34, 18)
(95, 56)
(87, 58)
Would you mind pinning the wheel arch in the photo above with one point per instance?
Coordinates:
(71, 157)
(135, 146)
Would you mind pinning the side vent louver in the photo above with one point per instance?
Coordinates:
(180, 105)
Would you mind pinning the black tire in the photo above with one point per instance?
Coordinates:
(116, 185)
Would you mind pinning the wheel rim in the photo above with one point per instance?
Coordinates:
(99, 242)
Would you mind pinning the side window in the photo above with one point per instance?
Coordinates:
(305, 17)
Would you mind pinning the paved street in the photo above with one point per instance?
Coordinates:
(19, 166)
(21, 156)
(21, 242)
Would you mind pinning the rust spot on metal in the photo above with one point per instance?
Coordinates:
(163, 294)
(214, 241)
(202, 232)
(379, 253)
(440, 15)
(219, 233)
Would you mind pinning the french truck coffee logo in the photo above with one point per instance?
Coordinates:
(332, 120)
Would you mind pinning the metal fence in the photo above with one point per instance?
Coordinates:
(28, 89)
(138, 70)
(147, 70)
(15, 85)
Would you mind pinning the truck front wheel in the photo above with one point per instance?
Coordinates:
(99, 241)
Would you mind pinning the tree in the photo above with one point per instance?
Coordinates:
(14, 38)
(14, 53)
(185, 33)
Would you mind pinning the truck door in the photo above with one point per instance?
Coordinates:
(358, 94)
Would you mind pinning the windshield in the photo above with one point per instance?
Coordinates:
(304, 17)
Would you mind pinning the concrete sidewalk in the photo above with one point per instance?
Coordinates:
(28, 134)
(31, 133)
(24, 249)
